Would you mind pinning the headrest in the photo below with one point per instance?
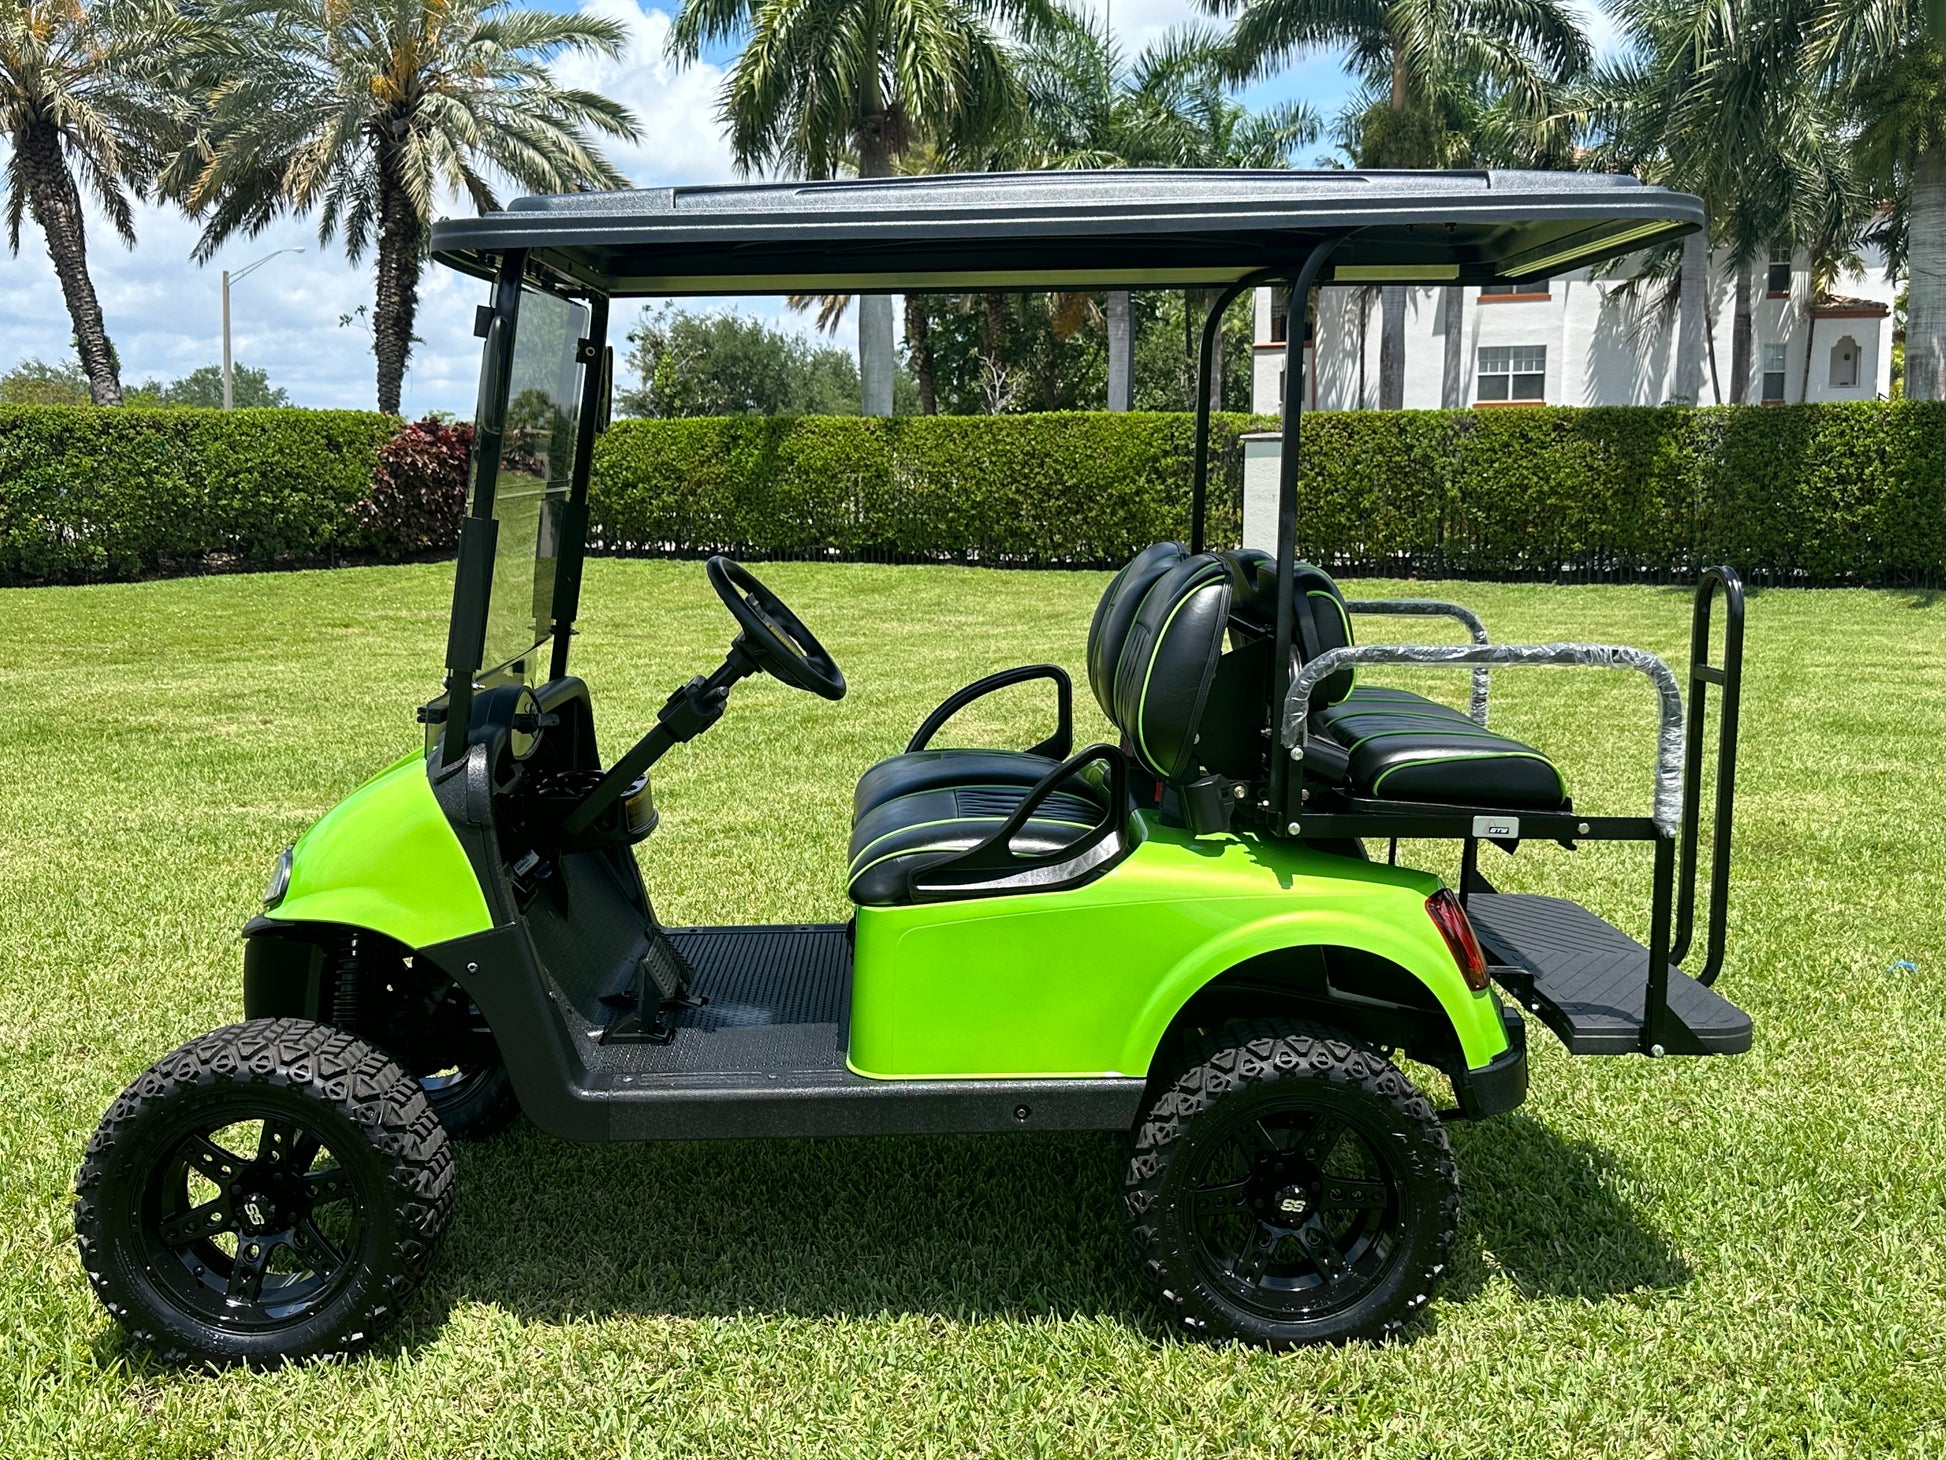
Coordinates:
(1162, 683)
(1116, 612)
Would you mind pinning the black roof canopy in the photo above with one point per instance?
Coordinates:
(1129, 228)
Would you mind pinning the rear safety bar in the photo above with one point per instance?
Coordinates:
(1668, 812)
(1476, 708)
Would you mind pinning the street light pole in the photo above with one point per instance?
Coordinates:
(229, 279)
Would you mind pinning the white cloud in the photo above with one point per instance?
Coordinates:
(163, 312)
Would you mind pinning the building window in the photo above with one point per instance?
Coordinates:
(1773, 374)
(1513, 372)
(1844, 364)
(1777, 279)
(1536, 289)
(1279, 316)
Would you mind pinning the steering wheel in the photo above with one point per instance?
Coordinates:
(772, 635)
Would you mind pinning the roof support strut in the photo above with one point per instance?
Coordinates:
(1205, 399)
(1295, 312)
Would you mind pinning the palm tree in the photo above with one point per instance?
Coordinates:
(1889, 60)
(823, 86)
(1418, 59)
(366, 111)
(1172, 107)
(1719, 97)
(85, 101)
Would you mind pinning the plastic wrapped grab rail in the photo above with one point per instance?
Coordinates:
(1669, 740)
(1438, 608)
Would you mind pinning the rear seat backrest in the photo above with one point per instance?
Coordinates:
(1116, 612)
(1318, 597)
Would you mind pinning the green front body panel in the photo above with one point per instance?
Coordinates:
(385, 858)
(1085, 982)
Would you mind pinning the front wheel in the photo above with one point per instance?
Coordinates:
(1292, 1186)
(272, 1190)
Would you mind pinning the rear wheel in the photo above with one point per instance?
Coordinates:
(1292, 1186)
(272, 1190)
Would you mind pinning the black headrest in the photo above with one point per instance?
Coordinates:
(1116, 612)
(1162, 683)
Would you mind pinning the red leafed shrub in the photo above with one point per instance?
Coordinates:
(418, 490)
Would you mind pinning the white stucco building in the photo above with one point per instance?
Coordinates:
(1578, 340)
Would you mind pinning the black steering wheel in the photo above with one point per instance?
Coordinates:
(772, 635)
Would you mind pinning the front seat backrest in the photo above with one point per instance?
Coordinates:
(1116, 612)
(1169, 661)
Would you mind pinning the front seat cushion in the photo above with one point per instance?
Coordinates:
(914, 831)
(930, 770)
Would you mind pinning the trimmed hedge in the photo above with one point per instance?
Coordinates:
(1819, 493)
(1082, 487)
(87, 493)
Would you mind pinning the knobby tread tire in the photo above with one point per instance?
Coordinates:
(482, 1108)
(353, 1082)
(1247, 1055)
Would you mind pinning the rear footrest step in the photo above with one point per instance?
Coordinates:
(1588, 981)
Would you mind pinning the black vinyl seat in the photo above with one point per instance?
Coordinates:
(929, 769)
(1400, 746)
(1164, 618)
(909, 833)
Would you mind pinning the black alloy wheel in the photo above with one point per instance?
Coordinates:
(272, 1190)
(1291, 1187)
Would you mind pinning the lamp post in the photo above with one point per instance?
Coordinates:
(228, 279)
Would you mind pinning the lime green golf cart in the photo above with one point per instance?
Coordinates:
(1195, 934)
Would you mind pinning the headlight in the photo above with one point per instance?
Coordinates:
(280, 879)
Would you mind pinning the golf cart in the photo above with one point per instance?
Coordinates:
(1179, 935)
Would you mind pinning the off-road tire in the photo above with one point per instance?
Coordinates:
(1262, 1063)
(478, 1105)
(375, 1120)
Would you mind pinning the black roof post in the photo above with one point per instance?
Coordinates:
(1281, 807)
(595, 383)
(1205, 398)
(473, 580)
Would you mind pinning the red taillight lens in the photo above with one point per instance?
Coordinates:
(1450, 918)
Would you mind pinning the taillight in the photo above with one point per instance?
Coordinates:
(1450, 918)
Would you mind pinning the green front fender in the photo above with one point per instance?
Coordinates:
(385, 858)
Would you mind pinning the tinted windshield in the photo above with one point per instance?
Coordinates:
(531, 484)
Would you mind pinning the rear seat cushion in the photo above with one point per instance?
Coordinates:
(1403, 751)
(914, 831)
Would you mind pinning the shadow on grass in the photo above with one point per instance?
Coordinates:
(968, 1228)
(1549, 1215)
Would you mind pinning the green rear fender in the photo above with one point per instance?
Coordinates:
(1475, 1017)
(385, 858)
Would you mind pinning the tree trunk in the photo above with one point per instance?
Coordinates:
(395, 307)
(1692, 317)
(1215, 371)
(56, 206)
(918, 344)
(993, 351)
(1925, 305)
(1364, 339)
(1121, 350)
(1740, 329)
(876, 361)
(1391, 347)
(1452, 383)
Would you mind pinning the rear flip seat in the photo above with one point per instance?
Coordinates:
(1400, 746)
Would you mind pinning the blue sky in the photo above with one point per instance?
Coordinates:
(163, 311)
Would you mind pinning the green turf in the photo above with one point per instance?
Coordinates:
(1723, 1257)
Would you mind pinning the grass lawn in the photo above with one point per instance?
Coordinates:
(1714, 1257)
